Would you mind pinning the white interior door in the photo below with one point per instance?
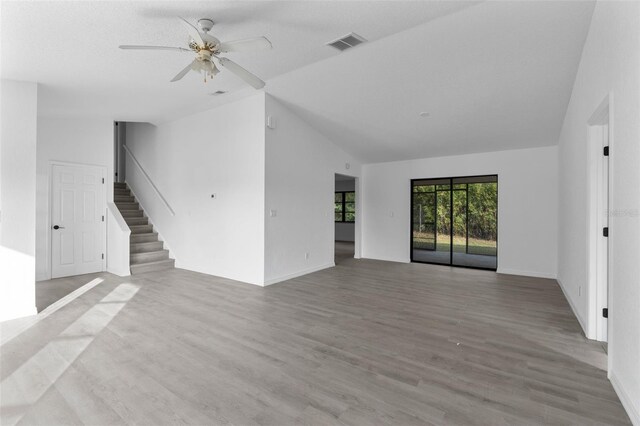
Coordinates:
(77, 220)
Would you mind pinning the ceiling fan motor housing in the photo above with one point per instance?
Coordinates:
(205, 24)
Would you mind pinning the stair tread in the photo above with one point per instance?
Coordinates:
(153, 266)
(153, 262)
(143, 258)
(147, 252)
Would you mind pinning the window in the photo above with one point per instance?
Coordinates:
(454, 221)
(345, 206)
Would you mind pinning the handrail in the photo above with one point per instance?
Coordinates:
(144, 173)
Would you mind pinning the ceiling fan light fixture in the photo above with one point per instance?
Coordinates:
(207, 48)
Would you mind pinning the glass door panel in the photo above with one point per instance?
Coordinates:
(455, 221)
(431, 221)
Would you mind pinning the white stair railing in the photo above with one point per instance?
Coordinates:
(144, 173)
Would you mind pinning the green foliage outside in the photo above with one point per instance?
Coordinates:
(345, 207)
(432, 210)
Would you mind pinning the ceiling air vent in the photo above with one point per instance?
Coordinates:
(347, 41)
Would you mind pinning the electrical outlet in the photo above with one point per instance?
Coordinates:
(306, 255)
(579, 290)
(273, 213)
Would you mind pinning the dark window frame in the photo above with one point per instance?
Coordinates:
(343, 197)
(451, 189)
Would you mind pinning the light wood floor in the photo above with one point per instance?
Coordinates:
(364, 343)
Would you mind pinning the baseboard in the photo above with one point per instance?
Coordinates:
(118, 272)
(298, 274)
(573, 308)
(526, 273)
(627, 401)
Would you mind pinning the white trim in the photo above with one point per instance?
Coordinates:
(118, 272)
(573, 308)
(526, 273)
(9, 331)
(52, 163)
(596, 261)
(298, 274)
(627, 402)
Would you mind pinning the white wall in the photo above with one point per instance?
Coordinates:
(527, 205)
(218, 151)
(70, 140)
(118, 242)
(300, 179)
(17, 198)
(610, 65)
(345, 231)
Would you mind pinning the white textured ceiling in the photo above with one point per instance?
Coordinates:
(71, 48)
(492, 75)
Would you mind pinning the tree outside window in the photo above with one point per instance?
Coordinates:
(345, 206)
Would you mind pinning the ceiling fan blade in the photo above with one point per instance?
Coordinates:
(184, 71)
(251, 79)
(135, 47)
(193, 31)
(250, 44)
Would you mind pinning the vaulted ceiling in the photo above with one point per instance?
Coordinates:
(490, 75)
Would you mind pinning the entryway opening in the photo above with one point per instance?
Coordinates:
(454, 221)
(598, 224)
(119, 154)
(345, 217)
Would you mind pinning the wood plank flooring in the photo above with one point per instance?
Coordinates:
(364, 343)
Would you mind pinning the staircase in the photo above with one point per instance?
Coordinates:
(147, 253)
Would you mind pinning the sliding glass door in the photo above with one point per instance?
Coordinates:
(454, 221)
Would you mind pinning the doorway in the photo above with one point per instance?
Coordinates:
(599, 256)
(454, 221)
(77, 220)
(119, 154)
(344, 217)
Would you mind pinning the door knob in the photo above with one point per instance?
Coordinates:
(58, 227)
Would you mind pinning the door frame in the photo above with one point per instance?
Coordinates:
(49, 240)
(450, 264)
(597, 287)
(357, 235)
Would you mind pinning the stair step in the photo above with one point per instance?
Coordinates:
(119, 185)
(121, 191)
(127, 206)
(136, 221)
(146, 247)
(141, 229)
(131, 213)
(152, 266)
(150, 256)
(143, 238)
(124, 199)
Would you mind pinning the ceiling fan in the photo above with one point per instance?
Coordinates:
(208, 49)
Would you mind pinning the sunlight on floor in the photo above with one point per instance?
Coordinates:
(11, 329)
(32, 380)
